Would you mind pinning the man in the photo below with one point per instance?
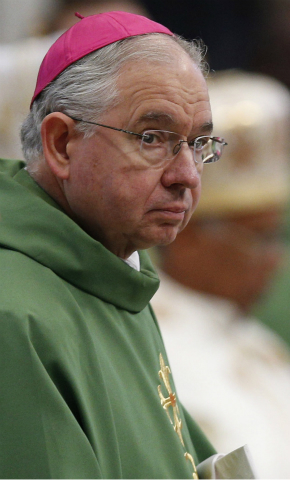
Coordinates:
(230, 370)
(86, 391)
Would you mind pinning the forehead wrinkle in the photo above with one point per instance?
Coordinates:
(172, 101)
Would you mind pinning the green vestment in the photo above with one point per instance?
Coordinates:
(79, 352)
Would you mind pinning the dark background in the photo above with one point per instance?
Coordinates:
(248, 34)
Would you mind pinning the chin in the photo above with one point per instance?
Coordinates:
(168, 237)
(160, 235)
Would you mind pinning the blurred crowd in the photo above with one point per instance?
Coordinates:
(224, 302)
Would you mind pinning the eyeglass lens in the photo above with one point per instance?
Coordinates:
(161, 145)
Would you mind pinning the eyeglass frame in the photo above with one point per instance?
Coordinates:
(143, 135)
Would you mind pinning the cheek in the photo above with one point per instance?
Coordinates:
(137, 186)
(195, 196)
(122, 197)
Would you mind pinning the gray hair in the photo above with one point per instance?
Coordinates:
(88, 87)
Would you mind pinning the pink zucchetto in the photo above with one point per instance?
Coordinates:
(88, 35)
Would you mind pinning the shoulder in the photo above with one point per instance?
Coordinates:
(33, 296)
(23, 279)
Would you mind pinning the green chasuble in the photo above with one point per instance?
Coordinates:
(80, 353)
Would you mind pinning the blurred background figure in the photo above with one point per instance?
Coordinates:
(271, 57)
(230, 370)
(273, 308)
(20, 59)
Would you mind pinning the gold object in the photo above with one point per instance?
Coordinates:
(170, 401)
(190, 458)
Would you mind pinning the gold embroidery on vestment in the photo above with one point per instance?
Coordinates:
(190, 458)
(170, 401)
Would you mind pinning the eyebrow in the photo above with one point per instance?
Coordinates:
(207, 127)
(157, 116)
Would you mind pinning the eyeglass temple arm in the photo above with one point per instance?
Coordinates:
(106, 126)
(219, 140)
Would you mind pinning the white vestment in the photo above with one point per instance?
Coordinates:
(231, 373)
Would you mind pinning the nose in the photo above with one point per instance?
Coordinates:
(182, 169)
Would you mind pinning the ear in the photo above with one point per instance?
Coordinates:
(57, 130)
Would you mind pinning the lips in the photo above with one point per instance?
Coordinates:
(180, 208)
(170, 213)
(174, 209)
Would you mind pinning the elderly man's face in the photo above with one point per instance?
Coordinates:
(113, 192)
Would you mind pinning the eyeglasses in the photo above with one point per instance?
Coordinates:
(160, 145)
